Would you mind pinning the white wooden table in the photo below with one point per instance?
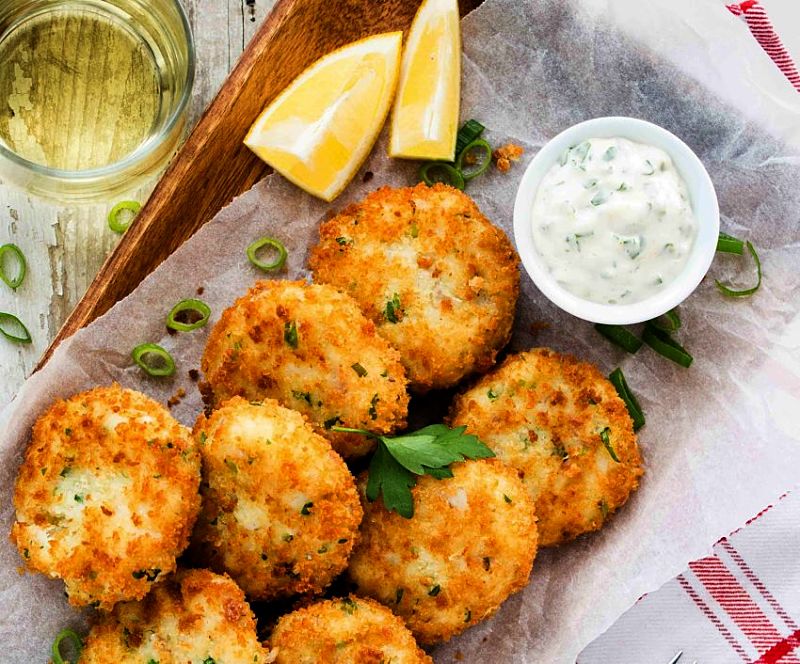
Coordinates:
(66, 245)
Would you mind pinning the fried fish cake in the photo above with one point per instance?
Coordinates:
(470, 544)
(107, 495)
(439, 281)
(310, 348)
(351, 630)
(193, 616)
(280, 508)
(547, 415)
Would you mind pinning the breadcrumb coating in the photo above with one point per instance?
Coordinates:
(543, 413)
(470, 544)
(107, 495)
(351, 630)
(280, 508)
(310, 348)
(194, 616)
(439, 281)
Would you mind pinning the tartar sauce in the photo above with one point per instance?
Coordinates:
(612, 221)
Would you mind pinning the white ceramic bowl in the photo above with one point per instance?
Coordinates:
(702, 197)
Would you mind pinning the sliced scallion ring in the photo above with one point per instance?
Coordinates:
(727, 244)
(154, 360)
(470, 172)
(122, 214)
(617, 379)
(469, 132)
(669, 322)
(439, 171)
(730, 292)
(665, 345)
(77, 644)
(620, 336)
(193, 314)
(280, 258)
(13, 329)
(12, 250)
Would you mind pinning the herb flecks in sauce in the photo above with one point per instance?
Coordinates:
(612, 221)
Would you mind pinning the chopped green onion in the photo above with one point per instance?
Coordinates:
(77, 644)
(438, 171)
(481, 146)
(360, 370)
(747, 291)
(620, 336)
(579, 152)
(727, 244)
(18, 333)
(290, 335)
(154, 360)
(669, 322)
(610, 153)
(469, 133)
(22, 266)
(607, 443)
(453, 173)
(665, 345)
(392, 308)
(617, 379)
(280, 259)
(119, 220)
(198, 307)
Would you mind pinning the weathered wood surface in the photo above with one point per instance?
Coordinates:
(66, 245)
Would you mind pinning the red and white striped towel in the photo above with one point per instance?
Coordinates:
(741, 604)
(757, 20)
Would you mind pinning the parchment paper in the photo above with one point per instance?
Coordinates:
(722, 438)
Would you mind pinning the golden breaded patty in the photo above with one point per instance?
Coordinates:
(310, 348)
(107, 495)
(435, 276)
(352, 630)
(470, 544)
(543, 413)
(280, 508)
(193, 617)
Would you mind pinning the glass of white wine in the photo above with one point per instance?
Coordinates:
(93, 93)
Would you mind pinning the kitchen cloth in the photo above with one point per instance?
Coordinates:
(740, 604)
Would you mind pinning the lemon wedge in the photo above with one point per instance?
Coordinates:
(425, 118)
(321, 128)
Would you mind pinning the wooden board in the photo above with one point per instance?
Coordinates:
(213, 166)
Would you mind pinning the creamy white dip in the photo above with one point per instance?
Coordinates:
(612, 221)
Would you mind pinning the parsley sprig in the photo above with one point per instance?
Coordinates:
(399, 460)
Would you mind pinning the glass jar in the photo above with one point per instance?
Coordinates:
(93, 93)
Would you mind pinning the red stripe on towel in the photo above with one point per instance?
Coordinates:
(757, 20)
(712, 617)
(748, 616)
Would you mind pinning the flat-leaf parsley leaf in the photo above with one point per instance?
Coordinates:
(398, 460)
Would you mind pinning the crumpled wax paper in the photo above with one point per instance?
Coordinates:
(722, 438)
